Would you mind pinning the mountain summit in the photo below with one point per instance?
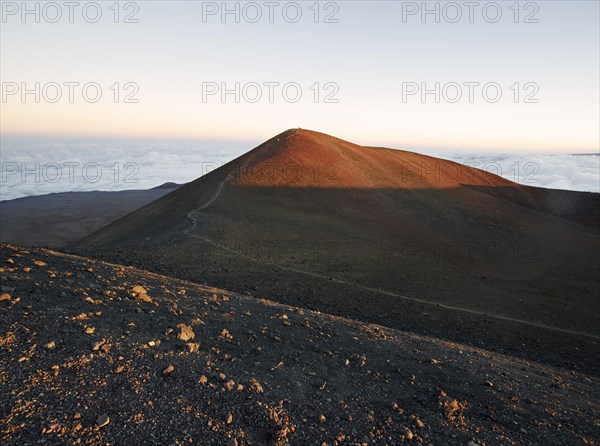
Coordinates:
(309, 160)
(305, 158)
(379, 232)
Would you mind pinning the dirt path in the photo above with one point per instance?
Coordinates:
(218, 191)
(189, 215)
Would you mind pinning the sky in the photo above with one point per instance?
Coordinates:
(524, 81)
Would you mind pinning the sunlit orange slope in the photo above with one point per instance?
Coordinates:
(304, 158)
(369, 183)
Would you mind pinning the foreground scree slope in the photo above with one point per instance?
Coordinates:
(87, 356)
(383, 236)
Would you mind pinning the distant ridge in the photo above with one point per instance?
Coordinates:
(167, 185)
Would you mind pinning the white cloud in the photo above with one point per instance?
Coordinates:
(34, 169)
(579, 172)
(141, 166)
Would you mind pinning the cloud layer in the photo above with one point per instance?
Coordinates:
(37, 169)
(579, 172)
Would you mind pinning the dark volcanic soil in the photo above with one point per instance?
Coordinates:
(87, 359)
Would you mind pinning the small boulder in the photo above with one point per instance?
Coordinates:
(143, 297)
(193, 347)
(185, 333)
(255, 386)
(138, 289)
(103, 420)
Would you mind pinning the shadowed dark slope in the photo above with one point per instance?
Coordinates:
(375, 231)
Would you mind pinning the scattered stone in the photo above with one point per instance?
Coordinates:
(38, 263)
(489, 384)
(10, 261)
(226, 335)
(185, 333)
(434, 361)
(102, 420)
(408, 434)
(277, 366)
(419, 423)
(193, 347)
(138, 289)
(4, 296)
(453, 409)
(322, 418)
(143, 297)
(168, 370)
(119, 369)
(255, 386)
(203, 379)
(26, 269)
(89, 330)
(97, 345)
(50, 345)
(229, 419)
(283, 432)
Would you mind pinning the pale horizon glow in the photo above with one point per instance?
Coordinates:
(170, 52)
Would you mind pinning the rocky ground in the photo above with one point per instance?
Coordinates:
(96, 353)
